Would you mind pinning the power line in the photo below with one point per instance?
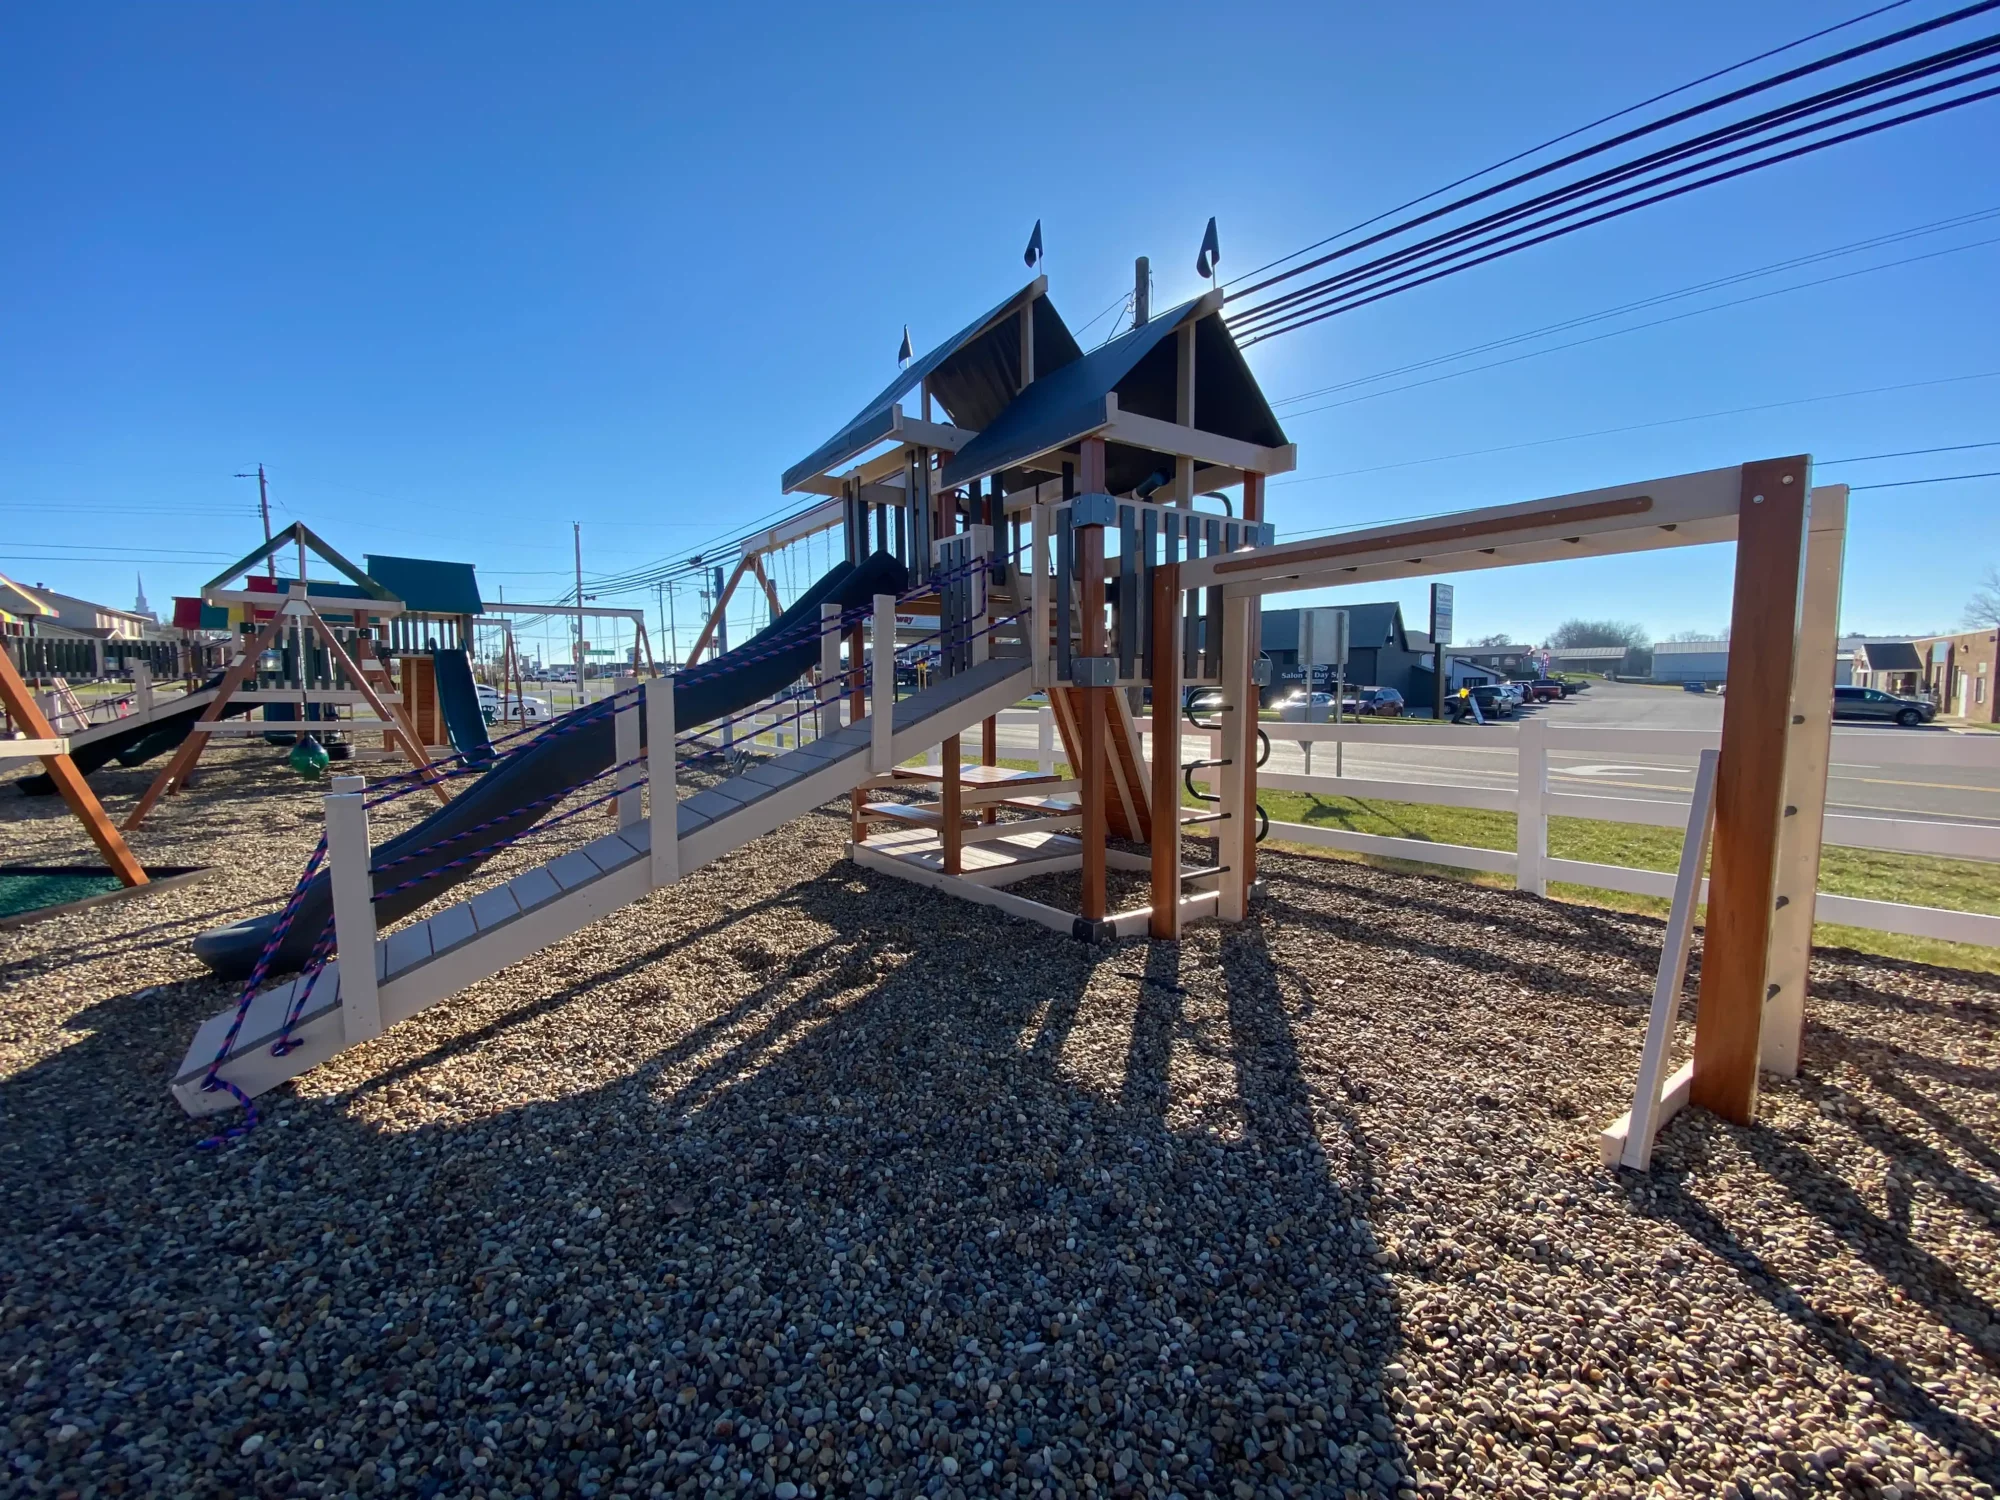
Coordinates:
(1338, 295)
(1869, 458)
(1575, 437)
(1900, 484)
(1571, 135)
(1761, 86)
(1873, 242)
(1599, 338)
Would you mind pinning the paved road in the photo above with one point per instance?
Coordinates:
(1862, 781)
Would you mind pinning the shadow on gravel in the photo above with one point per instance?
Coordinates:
(861, 1183)
(1976, 1445)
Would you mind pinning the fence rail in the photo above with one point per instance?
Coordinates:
(1533, 803)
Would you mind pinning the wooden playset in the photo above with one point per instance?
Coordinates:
(1056, 513)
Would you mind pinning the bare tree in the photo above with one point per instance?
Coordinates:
(1982, 611)
(1599, 633)
(1499, 638)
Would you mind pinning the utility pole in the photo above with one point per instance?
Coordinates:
(264, 506)
(1142, 296)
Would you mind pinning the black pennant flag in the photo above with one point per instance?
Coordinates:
(904, 354)
(1034, 251)
(1211, 251)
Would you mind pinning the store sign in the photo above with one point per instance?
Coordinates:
(1441, 594)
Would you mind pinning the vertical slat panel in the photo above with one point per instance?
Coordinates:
(1148, 562)
(1065, 582)
(1127, 614)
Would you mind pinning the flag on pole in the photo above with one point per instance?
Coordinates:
(904, 354)
(1211, 251)
(1034, 251)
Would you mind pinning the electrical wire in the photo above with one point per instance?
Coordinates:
(1571, 135)
(1733, 96)
(1598, 338)
(1873, 242)
(1403, 272)
(1901, 484)
(1575, 437)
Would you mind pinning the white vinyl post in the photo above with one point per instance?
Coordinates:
(142, 688)
(829, 669)
(1045, 740)
(625, 747)
(882, 699)
(665, 809)
(348, 854)
(1638, 1152)
(982, 546)
(1531, 826)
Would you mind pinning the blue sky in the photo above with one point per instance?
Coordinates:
(461, 275)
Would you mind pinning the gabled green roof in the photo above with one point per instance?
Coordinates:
(428, 586)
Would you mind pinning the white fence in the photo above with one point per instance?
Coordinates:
(1533, 802)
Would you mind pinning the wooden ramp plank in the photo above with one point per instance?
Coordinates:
(408, 947)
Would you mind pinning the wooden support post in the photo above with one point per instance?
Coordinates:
(661, 781)
(1045, 739)
(1531, 818)
(76, 793)
(176, 770)
(1253, 497)
(770, 589)
(625, 747)
(1236, 839)
(411, 749)
(716, 614)
(1166, 918)
(1750, 785)
(951, 810)
(829, 669)
(882, 664)
(348, 856)
(1093, 706)
(1805, 783)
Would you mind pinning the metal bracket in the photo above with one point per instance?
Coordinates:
(1093, 510)
(1094, 671)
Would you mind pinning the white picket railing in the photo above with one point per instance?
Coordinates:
(1533, 802)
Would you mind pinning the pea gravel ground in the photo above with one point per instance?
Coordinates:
(796, 1181)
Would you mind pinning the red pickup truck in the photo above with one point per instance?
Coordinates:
(1546, 689)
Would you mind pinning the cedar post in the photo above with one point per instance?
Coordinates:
(1166, 919)
(176, 770)
(26, 712)
(1750, 785)
(951, 799)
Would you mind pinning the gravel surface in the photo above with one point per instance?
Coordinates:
(793, 1180)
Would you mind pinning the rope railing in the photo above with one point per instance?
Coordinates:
(213, 1081)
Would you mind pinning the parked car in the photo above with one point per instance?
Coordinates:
(1873, 703)
(1302, 709)
(1546, 690)
(1493, 703)
(511, 708)
(1202, 701)
(1375, 702)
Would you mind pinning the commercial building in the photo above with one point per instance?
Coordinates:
(1959, 673)
(1691, 661)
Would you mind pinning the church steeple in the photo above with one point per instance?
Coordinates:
(139, 605)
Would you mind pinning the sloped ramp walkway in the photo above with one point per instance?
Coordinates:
(456, 947)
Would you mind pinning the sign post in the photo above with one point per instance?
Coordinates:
(1441, 594)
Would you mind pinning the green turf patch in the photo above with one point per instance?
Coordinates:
(24, 893)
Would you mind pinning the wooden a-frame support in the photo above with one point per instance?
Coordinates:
(173, 776)
(21, 704)
(715, 615)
